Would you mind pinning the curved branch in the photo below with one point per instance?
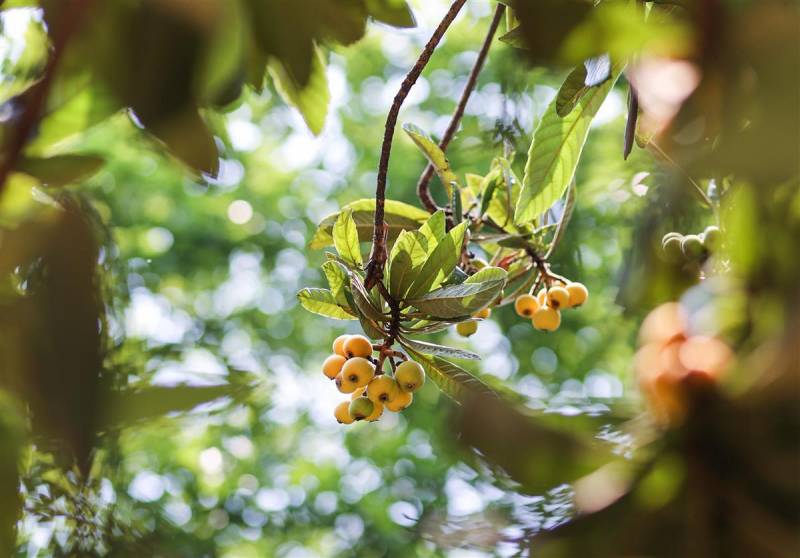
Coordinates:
(422, 186)
(378, 257)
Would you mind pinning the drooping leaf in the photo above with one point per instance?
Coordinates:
(322, 302)
(311, 99)
(407, 256)
(555, 152)
(132, 405)
(598, 70)
(440, 263)
(59, 170)
(451, 379)
(364, 302)
(455, 204)
(489, 273)
(435, 156)
(571, 91)
(399, 216)
(345, 239)
(396, 13)
(439, 350)
(188, 138)
(458, 300)
(338, 280)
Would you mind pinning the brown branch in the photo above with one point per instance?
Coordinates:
(422, 186)
(36, 97)
(377, 261)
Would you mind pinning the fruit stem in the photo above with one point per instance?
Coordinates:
(377, 261)
(423, 190)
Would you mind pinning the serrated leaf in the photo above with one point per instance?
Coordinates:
(435, 156)
(399, 216)
(458, 300)
(132, 405)
(440, 263)
(338, 280)
(59, 170)
(452, 380)
(555, 152)
(322, 302)
(345, 239)
(407, 256)
(396, 13)
(439, 350)
(312, 98)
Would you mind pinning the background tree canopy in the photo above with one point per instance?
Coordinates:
(172, 174)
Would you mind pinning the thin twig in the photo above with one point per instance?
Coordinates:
(423, 190)
(377, 261)
(36, 97)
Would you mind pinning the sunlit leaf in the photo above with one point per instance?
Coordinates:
(338, 280)
(407, 256)
(435, 156)
(398, 215)
(555, 152)
(60, 169)
(440, 263)
(439, 350)
(345, 239)
(322, 302)
(433, 230)
(451, 379)
(458, 300)
(311, 99)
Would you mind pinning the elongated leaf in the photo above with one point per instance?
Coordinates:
(433, 230)
(598, 70)
(571, 91)
(396, 13)
(555, 152)
(408, 255)
(458, 300)
(452, 380)
(440, 350)
(60, 169)
(440, 263)
(312, 98)
(435, 156)
(345, 239)
(489, 273)
(322, 302)
(131, 405)
(455, 203)
(399, 216)
(364, 302)
(338, 280)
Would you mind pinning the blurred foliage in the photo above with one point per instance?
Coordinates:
(161, 393)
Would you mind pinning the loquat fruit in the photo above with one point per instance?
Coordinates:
(672, 249)
(333, 365)
(402, 401)
(692, 246)
(712, 238)
(358, 371)
(465, 329)
(342, 413)
(358, 393)
(526, 305)
(546, 319)
(578, 294)
(483, 313)
(361, 408)
(410, 375)
(541, 297)
(377, 411)
(557, 297)
(357, 346)
(382, 389)
(344, 385)
(338, 345)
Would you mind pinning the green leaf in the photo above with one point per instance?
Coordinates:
(188, 138)
(311, 99)
(407, 256)
(439, 350)
(459, 300)
(322, 302)
(399, 216)
(345, 239)
(59, 170)
(452, 380)
(571, 91)
(434, 154)
(566, 215)
(396, 13)
(364, 303)
(555, 152)
(515, 38)
(132, 405)
(338, 280)
(440, 263)
(455, 203)
(434, 230)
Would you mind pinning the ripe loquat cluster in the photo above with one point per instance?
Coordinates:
(353, 369)
(544, 309)
(671, 362)
(690, 248)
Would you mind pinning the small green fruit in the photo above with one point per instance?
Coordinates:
(669, 235)
(673, 252)
(692, 247)
(410, 375)
(360, 408)
(712, 238)
(465, 329)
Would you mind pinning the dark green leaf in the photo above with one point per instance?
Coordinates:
(59, 170)
(458, 300)
(396, 13)
(452, 380)
(571, 91)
